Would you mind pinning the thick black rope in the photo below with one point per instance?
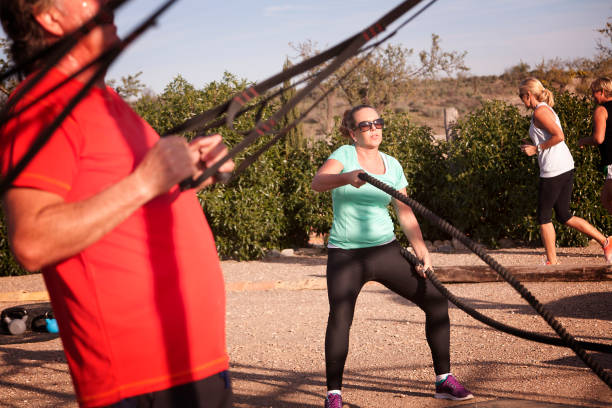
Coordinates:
(540, 338)
(567, 338)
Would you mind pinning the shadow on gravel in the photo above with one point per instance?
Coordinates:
(281, 387)
(281, 383)
(62, 399)
(286, 385)
(28, 337)
(515, 403)
(19, 364)
(298, 260)
(596, 305)
(603, 359)
(18, 357)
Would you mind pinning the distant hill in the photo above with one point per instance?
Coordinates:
(428, 98)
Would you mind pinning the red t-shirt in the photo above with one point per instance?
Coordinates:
(142, 309)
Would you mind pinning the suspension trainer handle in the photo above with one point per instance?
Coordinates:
(222, 176)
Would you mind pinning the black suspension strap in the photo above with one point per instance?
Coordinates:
(340, 53)
(283, 132)
(568, 339)
(202, 121)
(231, 108)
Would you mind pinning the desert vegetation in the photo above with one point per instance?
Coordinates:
(479, 182)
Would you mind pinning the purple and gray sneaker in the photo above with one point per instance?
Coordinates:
(333, 401)
(452, 389)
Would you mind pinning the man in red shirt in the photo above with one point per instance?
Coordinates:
(128, 259)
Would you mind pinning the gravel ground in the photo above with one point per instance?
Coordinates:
(275, 341)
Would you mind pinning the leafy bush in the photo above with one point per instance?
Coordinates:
(8, 264)
(270, 205)
(481, 182)
(491, 186)
(490, 182)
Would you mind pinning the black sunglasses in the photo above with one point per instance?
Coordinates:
(367, 125)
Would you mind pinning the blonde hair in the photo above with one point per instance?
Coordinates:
(602, 84)
(348, 120)
(536, 88)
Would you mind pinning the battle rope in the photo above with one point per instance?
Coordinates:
(540, 338)
(567, 338)
(232, 108)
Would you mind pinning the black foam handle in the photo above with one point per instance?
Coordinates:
(221, 176)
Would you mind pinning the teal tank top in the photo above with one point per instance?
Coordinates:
(361, 215)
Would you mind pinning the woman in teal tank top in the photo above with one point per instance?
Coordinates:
(362, 247)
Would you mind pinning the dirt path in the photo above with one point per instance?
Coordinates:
(275, 341)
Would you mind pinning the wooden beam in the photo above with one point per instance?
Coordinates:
(534, 273)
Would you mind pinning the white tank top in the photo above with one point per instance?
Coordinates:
(554, 160)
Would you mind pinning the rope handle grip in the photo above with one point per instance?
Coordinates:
(222, 177)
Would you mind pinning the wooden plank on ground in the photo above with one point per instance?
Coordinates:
(549, 273)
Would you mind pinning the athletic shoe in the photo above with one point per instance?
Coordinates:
(546, 262)
(607, 248)
(452, 389)
(333, 401)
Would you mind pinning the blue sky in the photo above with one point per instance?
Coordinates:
(201, 39)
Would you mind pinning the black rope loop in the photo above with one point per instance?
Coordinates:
(568, 339)
(540, 338)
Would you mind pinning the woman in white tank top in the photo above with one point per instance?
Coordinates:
(556, 170)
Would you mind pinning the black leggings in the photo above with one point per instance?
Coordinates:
(555, 192)
(347, 271)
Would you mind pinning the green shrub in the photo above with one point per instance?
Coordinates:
(490, 183)
(270, 205)
(8, 264)
(481, 182)
(491, 188)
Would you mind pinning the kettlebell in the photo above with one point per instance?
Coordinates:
(15, 321)
(45, 323)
